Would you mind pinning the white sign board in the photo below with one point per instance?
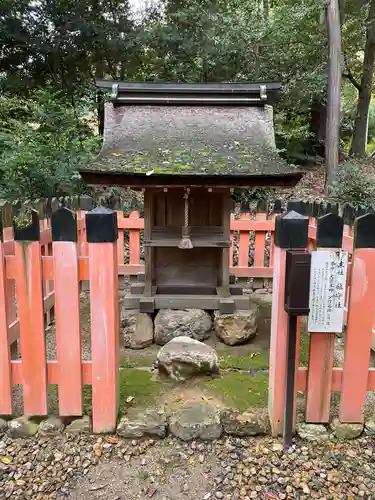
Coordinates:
(327, 291)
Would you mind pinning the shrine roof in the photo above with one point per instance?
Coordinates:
(155, 131)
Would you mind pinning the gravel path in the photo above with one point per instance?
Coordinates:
(90, 468)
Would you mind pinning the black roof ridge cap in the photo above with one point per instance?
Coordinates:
(156, 87)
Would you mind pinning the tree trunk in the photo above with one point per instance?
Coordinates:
(318, 120)
(359, 141)
(266, 8)
(334, 88)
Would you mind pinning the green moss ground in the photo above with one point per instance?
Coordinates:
(137, 360)
(239, 390)
(139, 387)
(254, 360)
(260, 360)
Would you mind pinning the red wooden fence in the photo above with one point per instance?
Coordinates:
(41, 278)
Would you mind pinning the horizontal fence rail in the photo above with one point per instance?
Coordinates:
(65, 242)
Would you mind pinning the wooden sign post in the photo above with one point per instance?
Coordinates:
(326, 318)
(289, 281)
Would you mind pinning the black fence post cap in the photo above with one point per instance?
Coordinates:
(26, 226)
(348, 215)
(277, 207)
(262, 205)
(364, 231)
(115, 203)
(101, 225)
(6, 212)
(245, 207)
(329, 231)
(64, 225)
(86, 202)
(294, 206)
(55, 204)
(291, 230)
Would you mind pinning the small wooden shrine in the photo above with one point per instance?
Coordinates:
(187, 147)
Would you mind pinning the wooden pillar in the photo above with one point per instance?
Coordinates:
(277, 209)
(134, 242)
(291, 231)
(101, 229)
(319, 379)
(226, 303)
(146, 303)
(361, 316)
(260, 236)
(68, 338)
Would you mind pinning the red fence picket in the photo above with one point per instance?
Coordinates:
(68, 338)
(361, 319)
(102, 234)
(5, 366)
(28, 276)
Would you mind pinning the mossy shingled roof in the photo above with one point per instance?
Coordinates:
(185, 140)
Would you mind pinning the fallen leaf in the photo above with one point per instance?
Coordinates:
(151, 491)
(98, 487)
(116, 154)
(129, 399)
(112, 440)
(98, 452)
(7, 460)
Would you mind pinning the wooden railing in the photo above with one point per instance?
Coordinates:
(251, 253)
(40, 278)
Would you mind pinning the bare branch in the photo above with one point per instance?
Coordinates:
(349, 75)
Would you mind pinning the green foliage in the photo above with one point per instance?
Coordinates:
(354, 185)
(64, 45)
(43, 141)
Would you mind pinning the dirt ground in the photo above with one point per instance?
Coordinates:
(162, 474)
(232, 469)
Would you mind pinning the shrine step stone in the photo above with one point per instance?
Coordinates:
(237, 328)
(184, 357)
(137, 329)
(196, 420)
(170, 323)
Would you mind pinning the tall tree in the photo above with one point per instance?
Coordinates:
(359, 141)
(334, 90)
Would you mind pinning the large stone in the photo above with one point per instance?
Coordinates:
(139, 423)
(346, 430)
(80, 426)
(3, 425)
(184, 357)
(312, 432)
(137, 329)
(369, 425)
(22, 427)
(249, 423)
(170, 324)
(238, 327)
(196, 420)
(52, 426)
